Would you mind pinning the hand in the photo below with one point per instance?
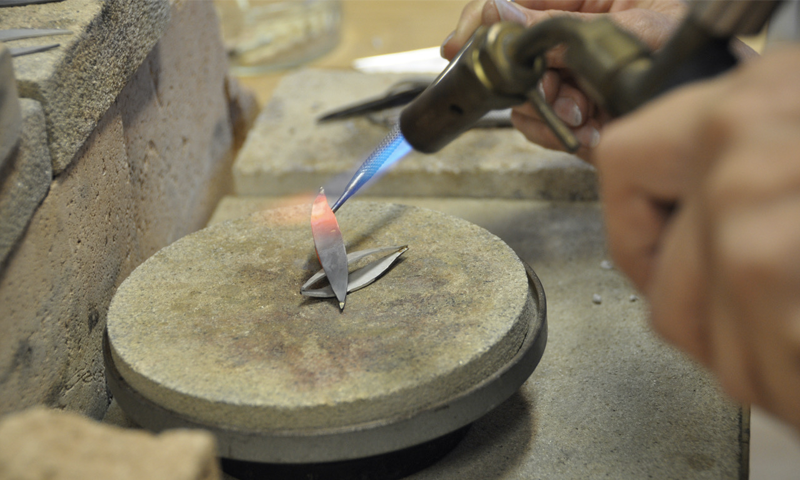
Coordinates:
(652, 21)
(702, 205)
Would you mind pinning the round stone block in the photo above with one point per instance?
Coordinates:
(213, 327)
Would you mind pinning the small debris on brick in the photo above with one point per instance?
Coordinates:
(606, 265)
(597, 299)
(633, 298)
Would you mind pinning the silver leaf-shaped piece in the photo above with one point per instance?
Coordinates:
(359, 278)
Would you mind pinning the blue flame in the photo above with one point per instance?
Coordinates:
(393, 148)
(398, 149)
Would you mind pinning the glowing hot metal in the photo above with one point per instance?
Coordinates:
(329, 246)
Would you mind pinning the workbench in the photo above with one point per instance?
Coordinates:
(609, 398)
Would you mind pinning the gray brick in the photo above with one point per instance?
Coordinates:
(77, 82)
(287, 152)
(25, 180)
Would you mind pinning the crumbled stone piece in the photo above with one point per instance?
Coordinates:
(606, 265)
(41, 444)
(597, 299)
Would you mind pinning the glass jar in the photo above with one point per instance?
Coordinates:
(268, 35)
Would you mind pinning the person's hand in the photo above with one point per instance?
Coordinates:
(701, 191)
(651, 21)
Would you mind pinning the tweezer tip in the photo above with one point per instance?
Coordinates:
(341, 306)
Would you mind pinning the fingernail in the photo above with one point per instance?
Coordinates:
(509, 12)
(446, 41)
(568, 110)
(540, 87)
(594, 137)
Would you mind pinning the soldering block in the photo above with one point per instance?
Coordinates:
(231, 341)
(77, 81)
(288, 152)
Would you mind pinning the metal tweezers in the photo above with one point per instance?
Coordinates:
(22, 33)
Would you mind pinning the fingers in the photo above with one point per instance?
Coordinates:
(722, 271)
(470, 20)
(754, 244)
(646, 166)
(567, 101)
(538, 132)
(570, 105)
(488, 12)
(597, 6)
(677, 290)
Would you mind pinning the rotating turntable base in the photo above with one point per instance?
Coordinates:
(212, 332)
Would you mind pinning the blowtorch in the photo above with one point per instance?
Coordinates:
(501, 66)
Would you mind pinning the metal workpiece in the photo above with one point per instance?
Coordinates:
(329, 246)
(359, 278)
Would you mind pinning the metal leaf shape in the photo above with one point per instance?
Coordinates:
(330, 246)
(359, 278)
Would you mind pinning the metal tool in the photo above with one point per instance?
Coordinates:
(330, 246)
(21, 3)
(20, 51)
(23, 33)
(501, 66)
(385, 109)
(398, 95)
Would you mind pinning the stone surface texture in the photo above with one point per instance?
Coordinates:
(288, 152)
(41, 444)
(177, 128)
(25, 179)
(115, 416)
(149, 174)
(230, 341)
(10, 115)
(243, 107)
(77, 82)
(608, 399)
